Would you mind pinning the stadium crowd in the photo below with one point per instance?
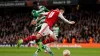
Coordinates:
(14, 26)
(87, 26)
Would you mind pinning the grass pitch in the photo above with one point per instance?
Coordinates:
(26, 51)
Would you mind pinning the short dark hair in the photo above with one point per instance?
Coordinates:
(61, 8)
(35, 3)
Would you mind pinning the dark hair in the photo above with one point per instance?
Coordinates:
(35, 3)
(61, 8)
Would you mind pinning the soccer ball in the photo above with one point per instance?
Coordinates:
(66, 53)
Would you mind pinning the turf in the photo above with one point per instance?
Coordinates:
(11, 51)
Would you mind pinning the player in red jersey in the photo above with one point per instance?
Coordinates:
(50, 20)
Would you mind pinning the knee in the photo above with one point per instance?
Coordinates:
(38, 36)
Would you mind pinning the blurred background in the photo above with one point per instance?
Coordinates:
(15, 18)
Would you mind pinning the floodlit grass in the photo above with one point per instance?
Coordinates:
(26, 51)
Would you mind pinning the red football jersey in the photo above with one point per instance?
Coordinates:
(52, 17)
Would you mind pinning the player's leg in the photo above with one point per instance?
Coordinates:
(52, 38)
(55, 38)
(43, 30)
(25, 40)
(30, 43)
(42, 47)
(36, 52)
(49, 40)
(47, 49)
(41, 33)
(29, 38)
(36, 29)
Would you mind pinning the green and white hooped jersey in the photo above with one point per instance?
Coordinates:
(36, 13)
(41, 21)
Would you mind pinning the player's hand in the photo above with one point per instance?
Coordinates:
(72, 22)
(33, 22)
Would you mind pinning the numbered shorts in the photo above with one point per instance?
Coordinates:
(45, 30)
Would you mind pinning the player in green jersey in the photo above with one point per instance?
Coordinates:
(38, 22)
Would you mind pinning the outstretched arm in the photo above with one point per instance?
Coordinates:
(63, 18)
(33, 22)
(44, 13)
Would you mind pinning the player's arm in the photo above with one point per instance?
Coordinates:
(44, 13)
(40, 15)
(36, 16)
(33, 22)
(63, 18)
(43, 9)
(46, 10)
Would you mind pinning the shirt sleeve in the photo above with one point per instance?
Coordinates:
(44, 13)
(63, 18)
(46, 9)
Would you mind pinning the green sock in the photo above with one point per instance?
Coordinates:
(51, 53)
(40, 46)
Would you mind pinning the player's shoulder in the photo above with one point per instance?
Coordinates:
(56, 10)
